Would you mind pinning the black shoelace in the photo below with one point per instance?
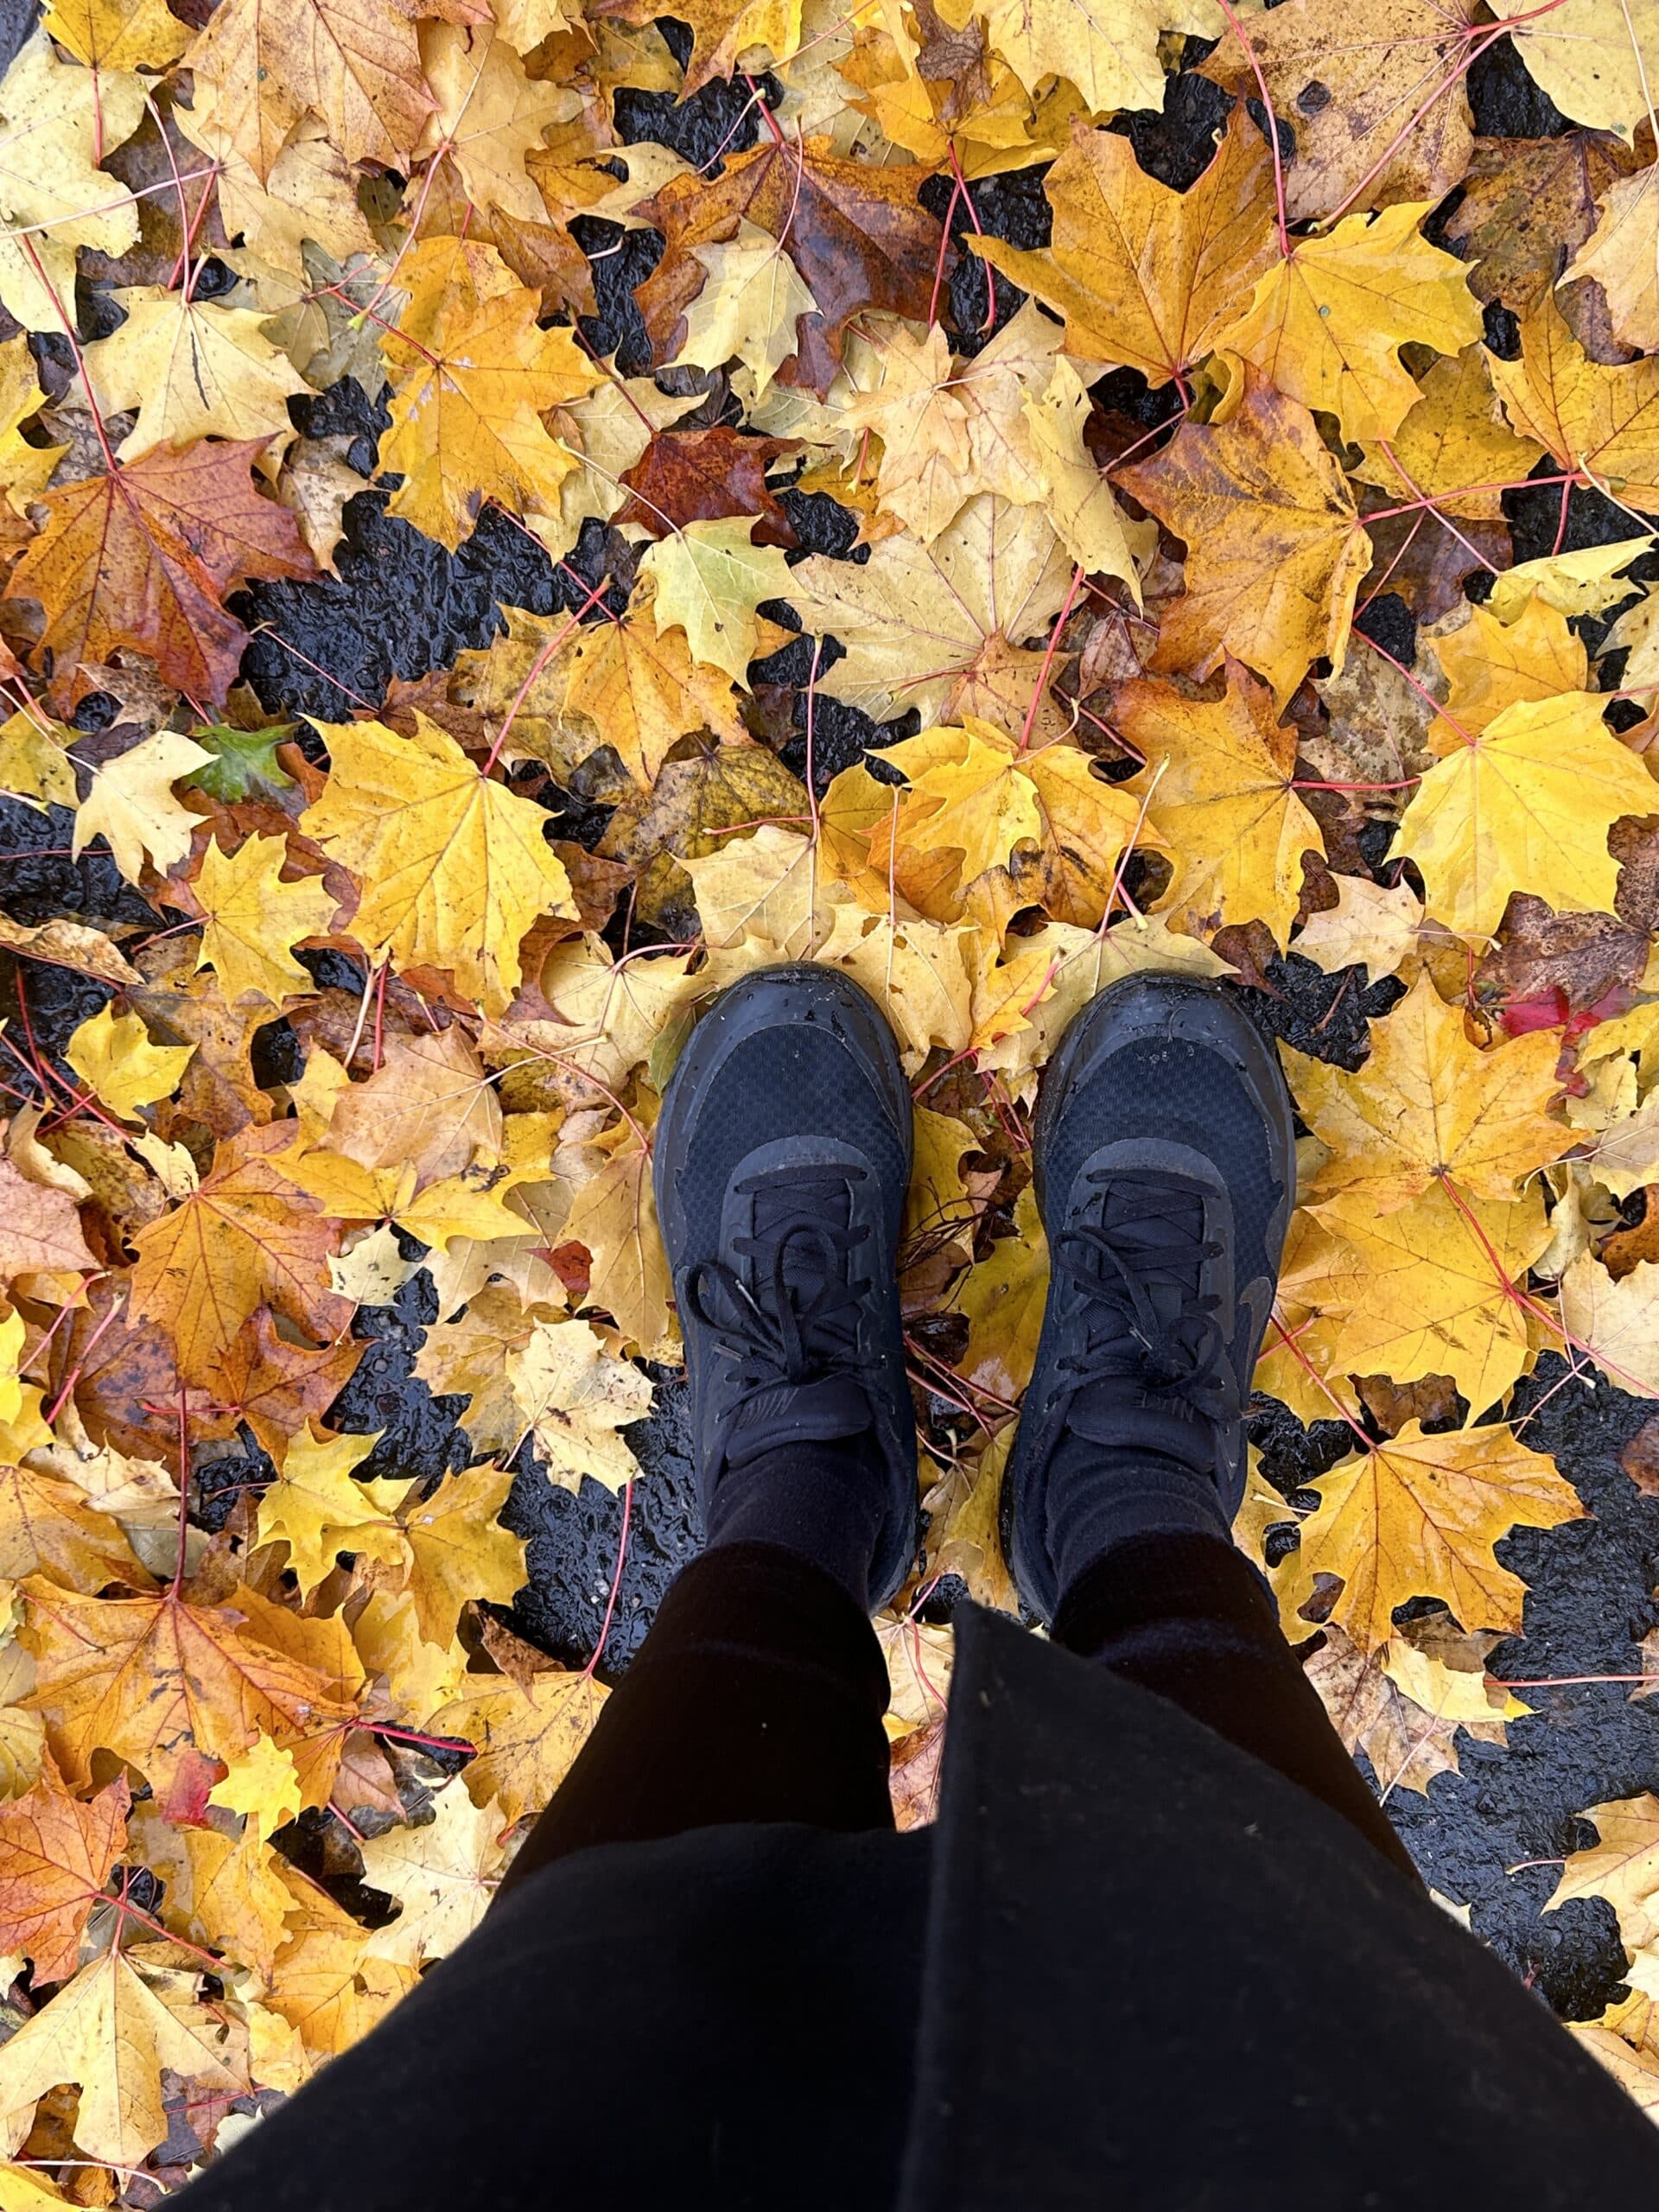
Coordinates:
(799, 1323)
(1152, 1244)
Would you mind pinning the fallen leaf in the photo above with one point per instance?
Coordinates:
(113, 1055)
(1326, 322)
(161, 1683)
(1525, 803)
(1380, 113)
(710, 581)
(1275, 550)
(853, 231)
(56, 1855)
(317, 1509)
(454, 868)
(1145, 276)
(1601, 421)
(441, 1874)
(1221, 792)
(254, 919)
(142, 557)
(132, 805)
(193, 369)
(249, 1237)
(572, 1398)
(1418, 1517)
(259, 69)
(1428, 1104)
(528, 1736)
(111, 2033)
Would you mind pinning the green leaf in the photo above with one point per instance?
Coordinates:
(244, 761)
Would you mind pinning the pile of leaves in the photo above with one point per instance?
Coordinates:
(989, 497)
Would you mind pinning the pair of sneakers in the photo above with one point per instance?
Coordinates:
(1163, 1165)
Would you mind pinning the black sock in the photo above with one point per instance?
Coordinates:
(1100, 1497)
(824, 1501)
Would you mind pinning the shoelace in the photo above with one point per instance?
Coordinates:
(1148, 1246)
(799, 1324)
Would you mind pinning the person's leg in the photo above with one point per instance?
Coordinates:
(1165, 1167)
(782, 1156)
(1187, 1616)
(758, 1695)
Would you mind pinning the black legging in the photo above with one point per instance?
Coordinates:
(759, 1693)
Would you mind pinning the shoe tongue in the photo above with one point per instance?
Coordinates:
(797, 1413)
(1119, 1414)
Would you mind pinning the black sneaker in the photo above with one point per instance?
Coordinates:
(782, 1159)
(1164, 1158)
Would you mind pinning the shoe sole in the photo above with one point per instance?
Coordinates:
(798, 990)
(1202, 1012)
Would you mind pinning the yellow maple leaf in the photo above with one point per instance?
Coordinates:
(111, 2033)
(1223, 800)
(58, 122)
(964, 1535)
(1002, 1298)
(1601, 421)
(1525, 803)
(1618, 1323)
(574, 1397)
(941, 627)
(260, 1783)
(1417, 1517)
(458, 1552)
(975, 795)
(613, 1214)
(131, 804)
(471, 382)
(748, 309)
(628, 684)
(113, 1055)
(1326, 322)
(1108, 51)
(442, 1874)
(1622, 254)
(527, 1736)
(48, 1527)
(327, 1986)
(1491, 664)
(193, 369)
(1429, 1290)
(490, 115)
(317, 1509)
(1145, 276)
(238, 1901)
(1274, 551)
(254, 919)
(118, 34)
(1453, 445)
(158, 1680)
(454, 868)
(1429, 1105)
(1588, 56)
(1622, 1865)
(258, 69)
(32, 762)
(1583, 582)
(709, 580)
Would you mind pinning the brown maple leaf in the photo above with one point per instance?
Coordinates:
(142, 557)
(704, 476)
(858, 235)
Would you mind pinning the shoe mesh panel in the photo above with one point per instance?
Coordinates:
(1183, 1093)
(796, 1080)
